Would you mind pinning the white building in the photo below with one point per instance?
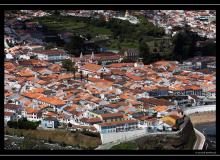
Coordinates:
(8, 56)
(50, 55)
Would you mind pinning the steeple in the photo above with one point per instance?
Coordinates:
(92, 56)
(126, 13)
(81, 55)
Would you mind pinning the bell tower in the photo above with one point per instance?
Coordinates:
(126, 13)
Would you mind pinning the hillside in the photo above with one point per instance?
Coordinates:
(77, 140)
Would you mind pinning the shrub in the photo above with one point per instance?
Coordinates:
(23, 124)
(63, 144)
(88, 133)
(50, 141)
(12, 124)
(125, 146)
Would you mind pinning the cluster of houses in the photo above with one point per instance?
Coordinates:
(105, 98)
(111, 98)
(202, 22)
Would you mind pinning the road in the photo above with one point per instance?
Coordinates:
(106, 146)
(196, 109)
(200, 140)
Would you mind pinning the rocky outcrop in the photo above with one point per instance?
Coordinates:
(183, 140)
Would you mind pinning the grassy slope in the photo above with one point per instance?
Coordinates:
(72, 24)
(61, 137)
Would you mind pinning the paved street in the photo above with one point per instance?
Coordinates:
(200, 140)
(196, 109)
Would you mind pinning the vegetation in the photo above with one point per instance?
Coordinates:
(75, 46)
(33, 57)
(23, 124)
(49, 46)
(68, 65)
(185, 44)
(119, 34)
(208, 48)
(92, 134)
(90, 28)
(58, 136)
(125, 146)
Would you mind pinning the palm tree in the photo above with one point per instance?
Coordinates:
(74, 73)
(87, 77)
(81, 76)
(101, 75)
(74, 69)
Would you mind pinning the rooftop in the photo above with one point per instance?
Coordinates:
(116, 123)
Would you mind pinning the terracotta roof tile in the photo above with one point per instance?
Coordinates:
(8, 114)
(160, 108)
(118, 123)
(30, 110)
(119, 65)
(38, 90)
(26, 73)
(92, 67)
(110, 115)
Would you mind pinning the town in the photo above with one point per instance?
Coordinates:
(98, 92)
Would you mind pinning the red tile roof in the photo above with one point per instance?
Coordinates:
(49, 52)
(31, 110)
(117, 123)
(8, 114)
(91, 120)
(111, 115)
(119, 65)
(92, 67)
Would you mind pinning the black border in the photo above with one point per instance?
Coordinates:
(108, 2)
(101, 152)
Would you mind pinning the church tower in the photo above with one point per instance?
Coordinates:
(80, 60)
(92, 56)
(81, 56)
(126, 13)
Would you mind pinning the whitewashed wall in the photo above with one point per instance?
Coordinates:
(121, 136)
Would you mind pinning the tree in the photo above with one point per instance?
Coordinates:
(10, 101)
(155, 50)
(87, 77)
(185, 44)
(69, 65)
(69, 125)
(209, 49)
(56, 12)
(33, 57)
(155, 44)
(161, 48)
(49, 46)
(75, 46)
(88, 36)
(23, 123)
(144, 50)
(74, 71)
(101, 75)
(81, 75)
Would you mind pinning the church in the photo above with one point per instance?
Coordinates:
(90, 66)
